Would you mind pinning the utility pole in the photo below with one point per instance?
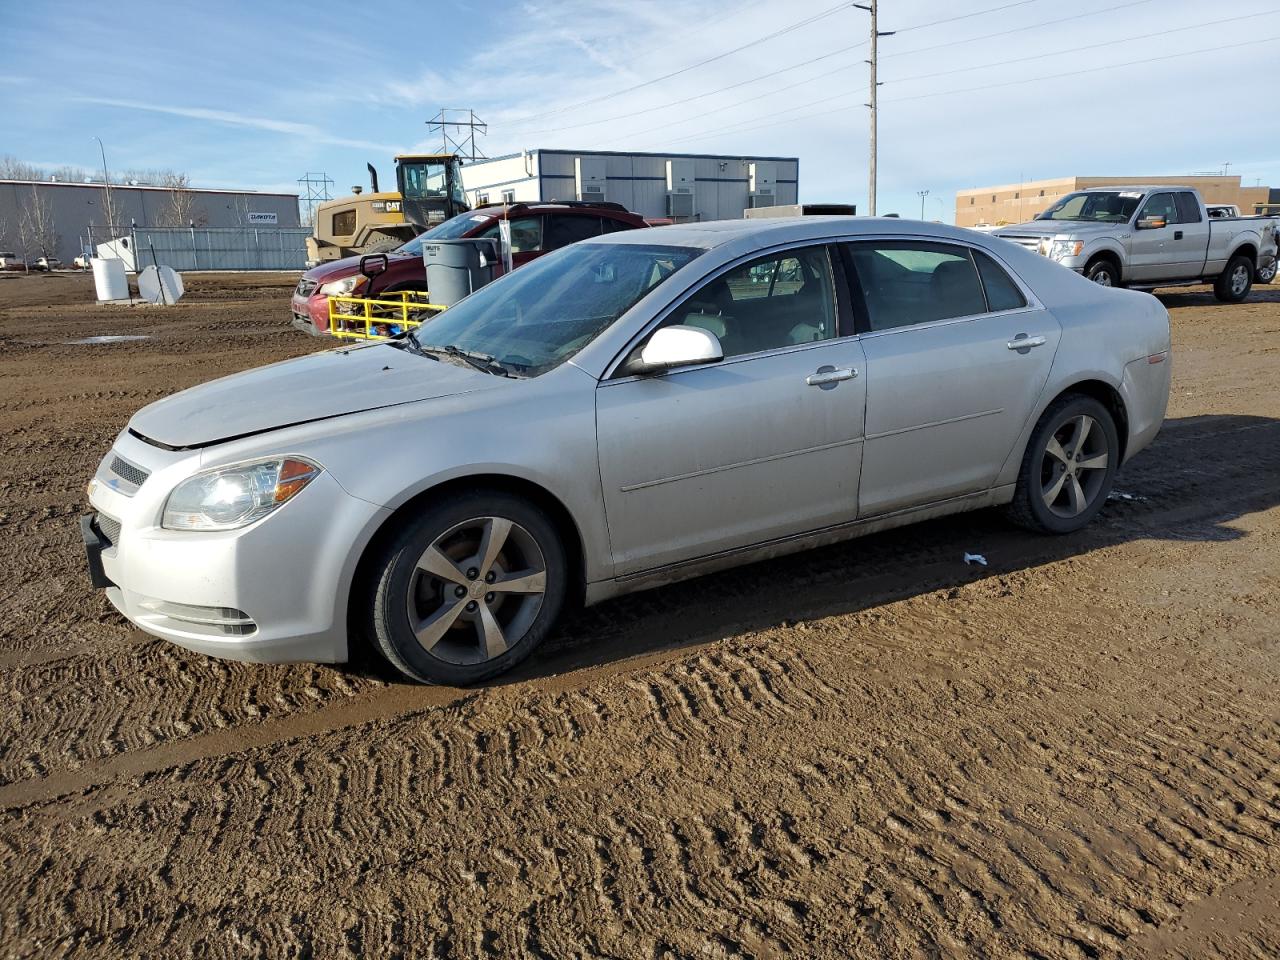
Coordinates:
(875, 34)
(106, 185)
(922, 194)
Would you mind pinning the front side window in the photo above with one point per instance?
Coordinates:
(777, 301)
(526, 234)
(542, 314)
(1160, 205)
(907, 282)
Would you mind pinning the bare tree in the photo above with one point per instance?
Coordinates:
(11, 168)
(179, 210)
(240, 207)
(36, 229)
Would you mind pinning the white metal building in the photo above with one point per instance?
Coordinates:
(684, 186)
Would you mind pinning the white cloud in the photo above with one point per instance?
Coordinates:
(287, 127)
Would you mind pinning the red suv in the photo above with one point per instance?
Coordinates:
(536, 228)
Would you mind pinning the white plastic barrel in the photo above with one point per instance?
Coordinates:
(109, 280)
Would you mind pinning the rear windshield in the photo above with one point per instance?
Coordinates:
(451, 229)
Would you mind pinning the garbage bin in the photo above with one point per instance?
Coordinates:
(455, 268)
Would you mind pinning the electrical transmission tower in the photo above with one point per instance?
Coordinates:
(314, 190)
(465, 125)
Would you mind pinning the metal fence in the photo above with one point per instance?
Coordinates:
(230, 248)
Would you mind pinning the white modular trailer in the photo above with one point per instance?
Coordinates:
(683, 186)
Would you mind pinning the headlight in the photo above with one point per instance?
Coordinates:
(344, 287)
(231, 497)
(1062, 249)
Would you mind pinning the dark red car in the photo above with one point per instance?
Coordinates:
(536, 228)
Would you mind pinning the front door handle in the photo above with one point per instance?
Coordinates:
(827, 375)
(1024, 342)
(1177, 234)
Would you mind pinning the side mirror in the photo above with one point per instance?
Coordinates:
(372, 264)
(676, 346)
(1151, 223)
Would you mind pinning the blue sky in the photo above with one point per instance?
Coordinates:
(256, 94)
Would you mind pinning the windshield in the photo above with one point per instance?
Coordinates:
(542, 314)
(451, 229)
(1103, 206)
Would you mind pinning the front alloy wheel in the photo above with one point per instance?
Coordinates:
(468, 589)
(1068, 466)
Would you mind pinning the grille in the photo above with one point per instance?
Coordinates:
(128, 472)
(1031, 243)
(305, 287)
(109, 527)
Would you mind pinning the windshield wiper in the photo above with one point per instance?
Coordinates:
(481, 361)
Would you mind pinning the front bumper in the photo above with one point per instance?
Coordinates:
(310, 314)
(272, 592)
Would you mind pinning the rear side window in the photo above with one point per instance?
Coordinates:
(563, 229)
(907, 282)
(1002, 292)
(1188, 209)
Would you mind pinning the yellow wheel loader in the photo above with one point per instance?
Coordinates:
(430, 192)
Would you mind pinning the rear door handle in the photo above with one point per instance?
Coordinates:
(1024, 342)
(825, 375)
(1177, 234)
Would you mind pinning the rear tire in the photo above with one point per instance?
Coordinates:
(1066, 474)
(467, 590)
(1103, 272)
(1235, 282)
(385, 245)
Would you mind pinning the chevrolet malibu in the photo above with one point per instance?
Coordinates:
(628, 411)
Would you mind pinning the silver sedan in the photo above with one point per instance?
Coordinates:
(626, 412)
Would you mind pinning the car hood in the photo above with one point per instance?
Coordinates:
(1051, 228)
(316, 387)
(346, 267)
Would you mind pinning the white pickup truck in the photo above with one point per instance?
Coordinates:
(1152, 236)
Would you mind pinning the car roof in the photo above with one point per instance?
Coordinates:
(708, 234)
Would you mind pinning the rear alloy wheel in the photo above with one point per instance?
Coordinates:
(1235, 282)
(468, 590)
(1068, 468)
(1103, 273)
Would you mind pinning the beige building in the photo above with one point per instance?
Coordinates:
(1019, 202)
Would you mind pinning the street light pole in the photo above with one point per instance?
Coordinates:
(922, 194)
(106, 185)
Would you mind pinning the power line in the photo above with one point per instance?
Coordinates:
(820, 76)
(693, 66)
(1075, 73)
(969, 69)
(711, 93)
(1023, 29)
(749, 125)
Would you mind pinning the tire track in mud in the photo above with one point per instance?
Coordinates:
(581, 839)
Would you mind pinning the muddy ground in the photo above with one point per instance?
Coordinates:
(868, 750)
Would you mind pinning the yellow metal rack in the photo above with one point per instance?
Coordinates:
(388, 315)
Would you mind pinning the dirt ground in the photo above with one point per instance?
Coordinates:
(867, 750)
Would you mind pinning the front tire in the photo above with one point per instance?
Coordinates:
(1235, 282)
(1068, 468)
(1266, 274)
(468, 589)
(1103, 272)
